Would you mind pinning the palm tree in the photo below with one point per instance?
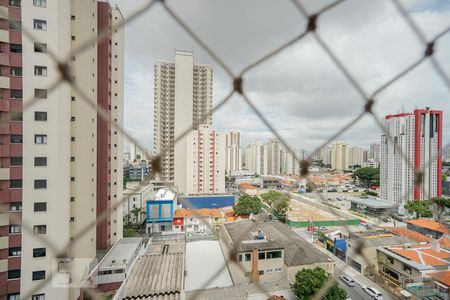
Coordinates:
(137, 212)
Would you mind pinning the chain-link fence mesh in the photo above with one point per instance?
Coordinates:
(237, 88)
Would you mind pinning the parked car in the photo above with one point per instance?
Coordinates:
(347, 280)
(322, 228)
(372, 292)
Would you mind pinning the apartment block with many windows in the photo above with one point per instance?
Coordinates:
(55, 185)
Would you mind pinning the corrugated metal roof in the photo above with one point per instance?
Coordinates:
(158, 274)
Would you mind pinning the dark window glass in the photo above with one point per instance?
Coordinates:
(248, 257)
(15, 3)
(38, 275)
(40, 206)
(16, 116)
(40, 229)
(15, 48)
(16, 94)
(273, 254)
(40, 47)
(40, 139)
(262, 255)
(40, 24)
(40, 184)
(15, 206)
(15, 161)
(40, 93)
(15, 183)
(16, 71)
(40, 161)
(15, 251)
(39, 252)
(16, 139)
(13, 274)
(15, 25)
(40, 116)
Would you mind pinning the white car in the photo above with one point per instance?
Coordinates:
(372, 292)
(347, 280)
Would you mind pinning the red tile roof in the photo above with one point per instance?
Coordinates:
(247, 186)
(423, 254)
(442, 277)
(430, 224)
(418, 237)
(199, 213)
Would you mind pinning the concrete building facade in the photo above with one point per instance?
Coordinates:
(254, 158)
(183, 97)
(340, 156)
(233, 152)
(356, 156)
(417, 136)
(55, 185)
(374, 152)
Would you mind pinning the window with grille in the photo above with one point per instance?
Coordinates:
(40, 24)
(40, 229)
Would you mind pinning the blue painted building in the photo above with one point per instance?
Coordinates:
(160, 210)
(207, 201)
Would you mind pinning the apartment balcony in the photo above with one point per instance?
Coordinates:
(4, 174)
(4, 127)
(4, 151)
(4, 82)
(15, 37)
(15, 240)
(14, 263)
(15, 195)
(15, 172)
(3, 265)
(4, 105)
(15, 59)
(4, 12)
(4, 36)
(15, 127)
(16, 83)
(4, 219)
(15, 150)
(4, 242)
(15, 105)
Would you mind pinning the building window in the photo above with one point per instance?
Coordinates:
(39, 252)
(15, 25)
(15, 206)
(38, 275)
(40, 139)
(391, 260)
(72, 17)
(40, 24)
(16, 94)
(15, 48)
(261, 272)
(15, 161)
(15, 184)
(40, 161)
(15, 3)
(40, 3)
(14, 296)
(40, 93)
(15, 229)
(40, 206)
(40, 71)
(16, 71)
(262, 255)
(16, 116)
(274, 254)
(407, 269)
(40, 47)
(15, 251)
(16, 139)
(40, 184)
(40, 229)
(40, 116)
(13, 274)
(248, 256)
(38, 297)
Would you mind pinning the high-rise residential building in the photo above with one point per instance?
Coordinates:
(233, 152)
(204, 163)
(290, 162)
(183, 96)
(356, 156)
(418, 140)
(447, 155)
(272, 154)
(366, 155)
(340, 156)
(254, 157)
(50, 154)
(374, 152)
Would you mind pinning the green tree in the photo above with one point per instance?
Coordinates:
(311, 186)
(137, 212)
(367, 176)
(421, 208)
(440, 204)
(247, 205)
(280, 202)
(309, 281)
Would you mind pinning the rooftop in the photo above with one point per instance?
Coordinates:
(422, 255)
(247, 186)
(164, 194)
(198, 213)
(297, 251)
(242, 292)
(158, 274)
(411, 234)
(442, 277)
(430, 224)
(376, 239)
(371, 202)
(121, 253)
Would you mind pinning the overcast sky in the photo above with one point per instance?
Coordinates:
(300, 91)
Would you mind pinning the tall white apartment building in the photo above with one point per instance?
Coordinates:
(272, 154)
(233, 152)
(204, 163)
(340, 156)
(254, 158)
(447, 155)
(70, 169)
(374, 152)
(182, 96)
(418, 136)
(290, 162)
(356, 156)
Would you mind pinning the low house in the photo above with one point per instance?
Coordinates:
(267, 251)
(270, 182)
(365, 261)
(407, 264)
(160, 210)
(197, 220)
(428, 227)
(247, 188)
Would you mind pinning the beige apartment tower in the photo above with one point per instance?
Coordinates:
(339, 156)
(183, 98)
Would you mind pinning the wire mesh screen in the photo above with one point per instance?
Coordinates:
(237, 87)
